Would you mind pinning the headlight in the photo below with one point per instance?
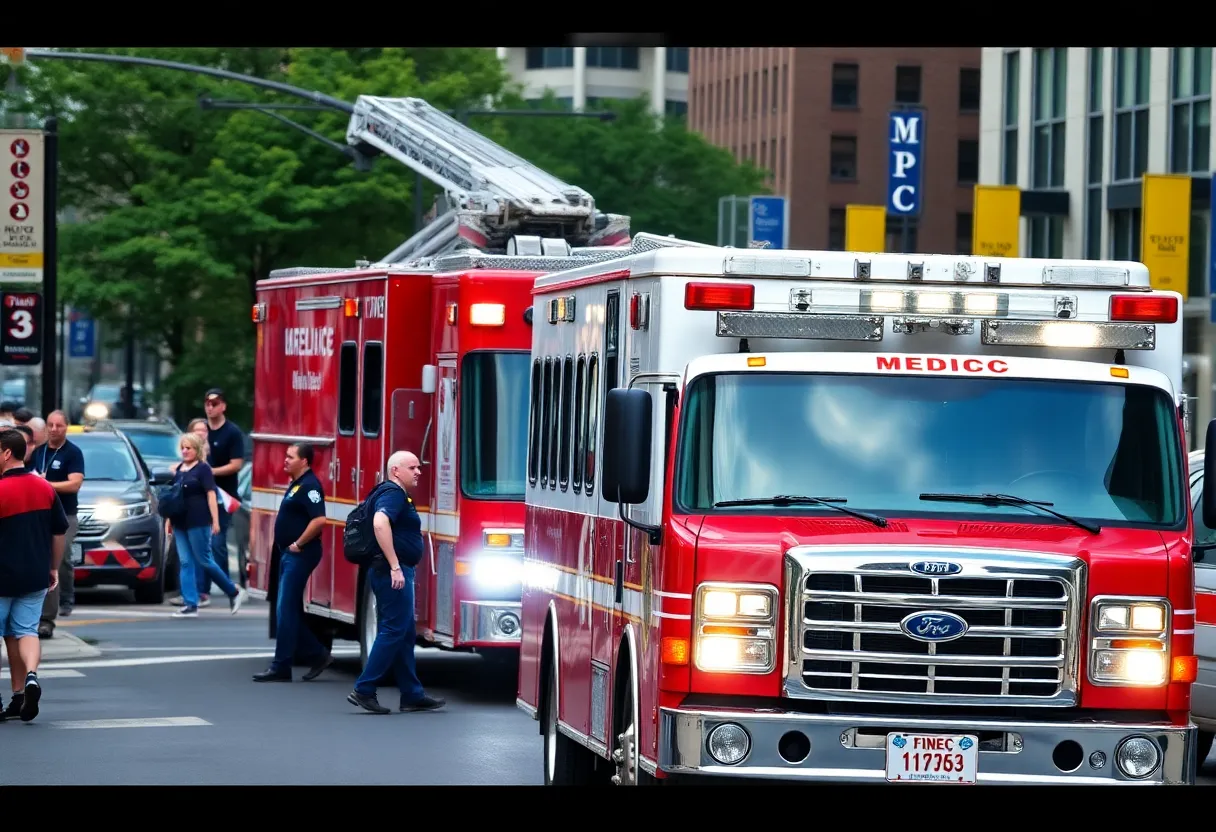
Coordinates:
(1130, 642)
(497, 571)
(113, 512)
(97, 410)
(736, 628)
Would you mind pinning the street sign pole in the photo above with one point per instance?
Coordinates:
(52, 384)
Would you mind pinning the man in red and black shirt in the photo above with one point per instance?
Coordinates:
(32, 526)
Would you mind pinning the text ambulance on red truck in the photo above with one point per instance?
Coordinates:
(885, 517)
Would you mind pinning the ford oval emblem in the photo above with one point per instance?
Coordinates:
(935, 567)
(934, 626)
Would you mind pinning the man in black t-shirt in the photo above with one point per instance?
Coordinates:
(61, 463)
(297, 536)
(225, 455)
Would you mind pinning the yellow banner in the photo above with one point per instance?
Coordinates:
(994, 220)
(1165, 230)
(21, 261)
(865, 228)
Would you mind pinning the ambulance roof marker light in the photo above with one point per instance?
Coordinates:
(699, 295)
(350, 307)
(451, 314)
(259, 313)
(1149, 309)
(487, 314)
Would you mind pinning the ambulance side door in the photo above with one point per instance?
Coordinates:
(445, 498)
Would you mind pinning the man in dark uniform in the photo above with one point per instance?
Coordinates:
(61, 463)
(297, 536)
(398, 530)
(225, 455)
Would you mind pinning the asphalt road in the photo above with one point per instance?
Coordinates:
(171, 702)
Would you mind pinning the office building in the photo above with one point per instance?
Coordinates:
(583, 76)
(1075, 129)
(817, 120)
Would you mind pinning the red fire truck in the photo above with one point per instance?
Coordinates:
(428, 352)
(824, 516)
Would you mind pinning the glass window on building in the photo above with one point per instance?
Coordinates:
(1197, 266)
(1094, 210)
(677, 59)
(1048, 125)
(1190, 109)
(549, 57)
(1046, 236)
(968, 90)
(907, 85)
(1125, 234)
(612, 57)
(1009, 139)
(845, 83)
(1130, 139)
(844, 158)
(897, 241)
(963, 222)
(968, 161)
(836, 225)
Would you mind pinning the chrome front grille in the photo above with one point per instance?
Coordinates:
(86, 526)
(845, 608)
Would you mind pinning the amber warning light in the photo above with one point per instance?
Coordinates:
(351, 307)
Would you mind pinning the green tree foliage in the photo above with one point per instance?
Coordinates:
(183, 209)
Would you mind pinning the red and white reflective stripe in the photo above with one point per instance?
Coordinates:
(1184, 614)
(1205, 607)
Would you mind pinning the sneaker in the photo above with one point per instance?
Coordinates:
(178, 601)
(367, 703)
(236, 600)
(204, 601)
(33, 692)
(14, 707)
(186, 612)
(426, 703)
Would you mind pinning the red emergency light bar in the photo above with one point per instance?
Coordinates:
(719, 296)
(1152, 309)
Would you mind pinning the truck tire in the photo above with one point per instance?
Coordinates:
(153, 593)
(566, 762)
(1203, 748)
(625, 754)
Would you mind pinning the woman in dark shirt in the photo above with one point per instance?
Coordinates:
(192, 530)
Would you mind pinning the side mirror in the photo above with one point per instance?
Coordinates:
(627, 441)
(161, 477)
(1209, 477)
(430, 378)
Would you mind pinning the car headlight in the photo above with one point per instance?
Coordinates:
(1129, 643)
(97, 410)
(736, 628)
(113, 512)
(497, 571)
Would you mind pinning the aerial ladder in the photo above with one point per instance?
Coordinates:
(496, 202)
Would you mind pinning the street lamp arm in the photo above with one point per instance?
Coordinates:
(299, 92)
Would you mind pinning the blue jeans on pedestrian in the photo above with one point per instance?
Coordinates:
(219, 551)
(394, 645)
(292, 637)
(194, 558)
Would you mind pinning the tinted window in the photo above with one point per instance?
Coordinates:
(494, 424)
(154, 443)
(107, 459)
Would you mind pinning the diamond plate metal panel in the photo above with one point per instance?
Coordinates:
(445, 604)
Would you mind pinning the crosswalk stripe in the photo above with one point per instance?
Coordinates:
(49, 673)
(155, 722)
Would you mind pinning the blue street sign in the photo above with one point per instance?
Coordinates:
(80, 338)
(768, 221)
(906, 145)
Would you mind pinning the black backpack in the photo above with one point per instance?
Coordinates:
(359, 544)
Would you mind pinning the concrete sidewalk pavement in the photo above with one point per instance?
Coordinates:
(63, 645)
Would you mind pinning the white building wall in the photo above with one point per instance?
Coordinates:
(581, 82)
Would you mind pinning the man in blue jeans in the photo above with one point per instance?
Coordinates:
(226, 455)
(398, 530)
(297, 536)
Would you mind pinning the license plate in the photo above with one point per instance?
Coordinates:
(932, 758)
(77, 553)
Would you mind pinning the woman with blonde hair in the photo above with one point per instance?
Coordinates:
(192, 529)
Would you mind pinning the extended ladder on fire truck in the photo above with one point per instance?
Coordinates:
(492, 194)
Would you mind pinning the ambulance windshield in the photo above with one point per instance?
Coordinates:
(494, 425)
(1104, 452)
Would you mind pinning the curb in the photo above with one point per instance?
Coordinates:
(64, 645)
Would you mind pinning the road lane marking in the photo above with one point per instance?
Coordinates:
(157, 722)
(217, 608)
(337, 651)
(91, 621)
(154, 660)
(48, 673)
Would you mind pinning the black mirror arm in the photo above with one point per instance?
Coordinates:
(653, 533)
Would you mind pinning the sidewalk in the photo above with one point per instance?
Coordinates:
(65, 646)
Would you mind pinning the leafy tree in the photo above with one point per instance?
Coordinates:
(184, 209)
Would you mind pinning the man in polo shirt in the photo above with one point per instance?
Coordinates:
(61, 463)
(225, 456)
(33, 527)
(297, 536)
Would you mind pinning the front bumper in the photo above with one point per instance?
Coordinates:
(851, 749)
(490, 623)
(124, 553)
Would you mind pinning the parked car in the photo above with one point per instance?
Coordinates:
(156, 439)
(102, 399)
(120, 536)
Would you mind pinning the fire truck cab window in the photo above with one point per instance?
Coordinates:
(563, 460)
(545, 418)
(373, 383)
(882, 441)
(534, 425)
(591, 425)
(493, 424)
(555, 421)
(348, 386)
(580, 415)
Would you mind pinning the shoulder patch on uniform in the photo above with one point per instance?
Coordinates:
(314, 495)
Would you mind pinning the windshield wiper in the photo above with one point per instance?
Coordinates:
(793, 500)
(1010, 500)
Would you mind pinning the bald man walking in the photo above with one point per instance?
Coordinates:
(398, 530)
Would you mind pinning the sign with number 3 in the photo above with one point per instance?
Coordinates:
(21, 328)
